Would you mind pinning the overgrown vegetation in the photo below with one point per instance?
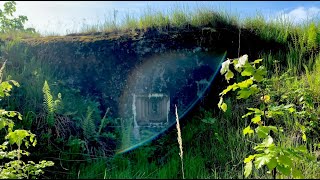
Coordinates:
(274, 155)
(269, 127)
(11, 148)
(300, 40)
(11, 26)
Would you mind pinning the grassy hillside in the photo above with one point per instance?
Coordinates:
(81, 139)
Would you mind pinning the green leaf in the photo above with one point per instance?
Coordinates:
(284, 170)
(235, 62)
(262, 71)
(304, 137)
(229, 88)
(262, 131)
(257, 77)
(248, 71)
(26, 143)
(285, 160)
(302, 148)
(267, 143)
(2, 123)
(237, 66)
(19, 116)
(273, 128)
(256, 119)
(247, 130)
(225, 91)
(229, 75)
(259, 74)
(15, 83)
(244, 93)
(245, 83)
(256, 110)
(261, 160)
(250, 158)
(31, 138)
(247, 169)
(257, 61)
(291, 110)
(246, 115)
(224, 107)
(272, 163)
(17, 136)
(34, 142)
(254, 89)
(11, 113)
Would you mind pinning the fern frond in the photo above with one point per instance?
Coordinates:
(48, 104)
(88, 126)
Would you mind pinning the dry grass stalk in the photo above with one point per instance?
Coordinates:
(179, 141)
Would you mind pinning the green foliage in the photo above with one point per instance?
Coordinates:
(177, 17)
(302, 94)
(270, 153)
(88, 125)
(312, 36)
(278, 29)
(10, 23)
(50, 105)
(16, 168)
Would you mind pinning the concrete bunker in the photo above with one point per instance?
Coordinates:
(151, 109)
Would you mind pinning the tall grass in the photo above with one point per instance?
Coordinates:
(12, 35)
(210, 152)
(174, 18)
(299, 40)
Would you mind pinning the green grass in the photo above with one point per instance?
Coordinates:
(218, 159)
(12, 35)
(216, 150)
(174, 18)
(300, 40)
(211, 150)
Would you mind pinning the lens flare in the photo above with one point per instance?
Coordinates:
(158, 84)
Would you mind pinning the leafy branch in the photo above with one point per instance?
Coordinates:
(270, 152)
(8, 22)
